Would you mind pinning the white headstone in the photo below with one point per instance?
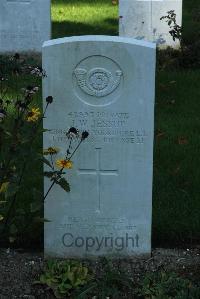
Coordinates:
(104, 85)
(141, 19)
(24, 25)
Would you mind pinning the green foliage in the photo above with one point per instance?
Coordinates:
(55, 176)
(70, 279)
(188, 56)
(63, 184)
(167, 285)
(20, 129)
(113, 283)
(65, 277)
(175, 29)
(20, 126)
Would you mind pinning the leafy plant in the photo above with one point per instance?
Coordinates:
(64, 277)
(167, 285)
(20, 126)
(20, 129)
(56, 176)
(175, 29)
(187, 56)
(112, 283)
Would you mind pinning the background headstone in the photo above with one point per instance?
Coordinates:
(104, 85)
(141, 19)
(24, 25)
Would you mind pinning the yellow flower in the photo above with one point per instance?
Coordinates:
(33, 115)
(61, 163)
(51, 151)
(3, 187)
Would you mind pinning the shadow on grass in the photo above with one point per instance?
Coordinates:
(67, 28)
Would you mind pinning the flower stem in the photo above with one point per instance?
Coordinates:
(60, 172)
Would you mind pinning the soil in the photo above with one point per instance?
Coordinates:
(19, 270)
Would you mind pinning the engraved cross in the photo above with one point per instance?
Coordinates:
(98, 172)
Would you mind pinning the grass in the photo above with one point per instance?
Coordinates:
(32, 179)
(176, 188)
(84, 17)
(176, 174)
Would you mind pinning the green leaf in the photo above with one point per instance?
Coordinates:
(42, 279)
(35, 206)
(8, 133)
(45, 161)
(11, 190)
(63, 184)
(41, 220)
(70, 276)
(49, 174)
(86, 290)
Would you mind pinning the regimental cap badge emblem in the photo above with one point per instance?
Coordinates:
(97, 81)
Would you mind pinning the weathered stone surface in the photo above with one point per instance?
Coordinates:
(141, 19)
(104, 85)
(24, 25)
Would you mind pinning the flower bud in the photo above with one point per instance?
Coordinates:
(85, 135)
(49, 99)
(73, 130)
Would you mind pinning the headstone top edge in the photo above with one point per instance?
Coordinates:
(99, 38)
